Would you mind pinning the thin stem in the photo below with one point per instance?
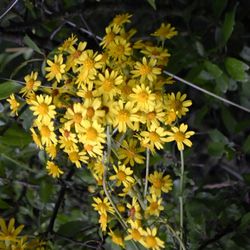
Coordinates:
(207, 92)
(176, 236)
(181, 203)
(9, 7)
(106, 165)
(147, 172)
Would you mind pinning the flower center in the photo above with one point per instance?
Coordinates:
(89, 64)
(55, 69)
(123, 116)
(153, 206)
(143, 96)
(121, 175)
(157, 184)
(150, 241)
(90, 112)
(43, 108)
(88, 94)
(107, 85)
(45, 131)
(151, 115)
(176, 105)
(73, 156)
(77, 118)
(88, 147)
(179, 137)
(91, 134)
(30, 84)
(154, 137)
(144, 70)
(135, 234)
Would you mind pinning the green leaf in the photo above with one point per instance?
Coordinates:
(228, 26)
(152, 3)
(245, 221)
(4, 205)
(213, 69)
(46, 190)
(216, 148)
(222, 83)
(16, 136)
(217, 136)
(71, 228)
(236, 69)
(228, 120)
(8, 88)
(218, 7)
(31, 44)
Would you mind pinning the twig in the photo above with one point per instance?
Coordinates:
(147, 172)
(59, 201)
(207, 92)
(9, 7)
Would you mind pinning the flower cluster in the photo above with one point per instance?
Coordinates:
(109, 111)
(10, 238)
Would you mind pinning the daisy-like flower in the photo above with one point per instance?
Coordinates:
(124, 115)
(102, 206)
(47, 133)
(154, 207)
(146, 71)
(121, 19)
(158, 53)
(42, 108)
(67, 140)
(56, 68)
(170, 117)
(135, 232)
(178, 104)
(129, 152)
(31, 84)
(9, 232)
(165, 32)
(117, 238)
(143, 98)
(87, 92)
(107, 84)
(91, 133)
(89, 63)
(53, 169)
(155, 137)
(122, 175)
(134, 211)
(151, 241)
(68, 44)
(103, 220)
(160, 183)
(119, 49)
(93, 150)
(111, 33)
(14, 104)
(77, 157)
(75, 116)
(92, 109)
(181, 136)
(51, 151)
(36, 138)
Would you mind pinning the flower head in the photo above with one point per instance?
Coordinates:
(53, 169)
(165, 32)
(14, 104)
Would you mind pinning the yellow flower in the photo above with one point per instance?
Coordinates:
(9, 232)
(121, 19)
(111, 33)
(178, 103)
(117, 238)
(47, 133)
(119, 49)
(165, 32)
(102, 206)
(93, 150)
(129, 152)
(147, 71)
(67, 140)
(124, 115)
(107, 84)
(160, 183)
(92, 109)
(74, 116)
(53, 169)
(143, 98)
(36, 138)
(31, 84)
(155, 137)
(103, 220)
(42, 108)
(122, 176)
(135, 232)
(51, 150)
(77, 157)
(180, 135)
(134, 212)
(91, 133)
(68, 44)
(151, 241)
(56, 68)
(14, 104)
(154, 207)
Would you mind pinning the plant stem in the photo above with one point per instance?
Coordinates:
(181, 202)
(147, 172)
(176, 236)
